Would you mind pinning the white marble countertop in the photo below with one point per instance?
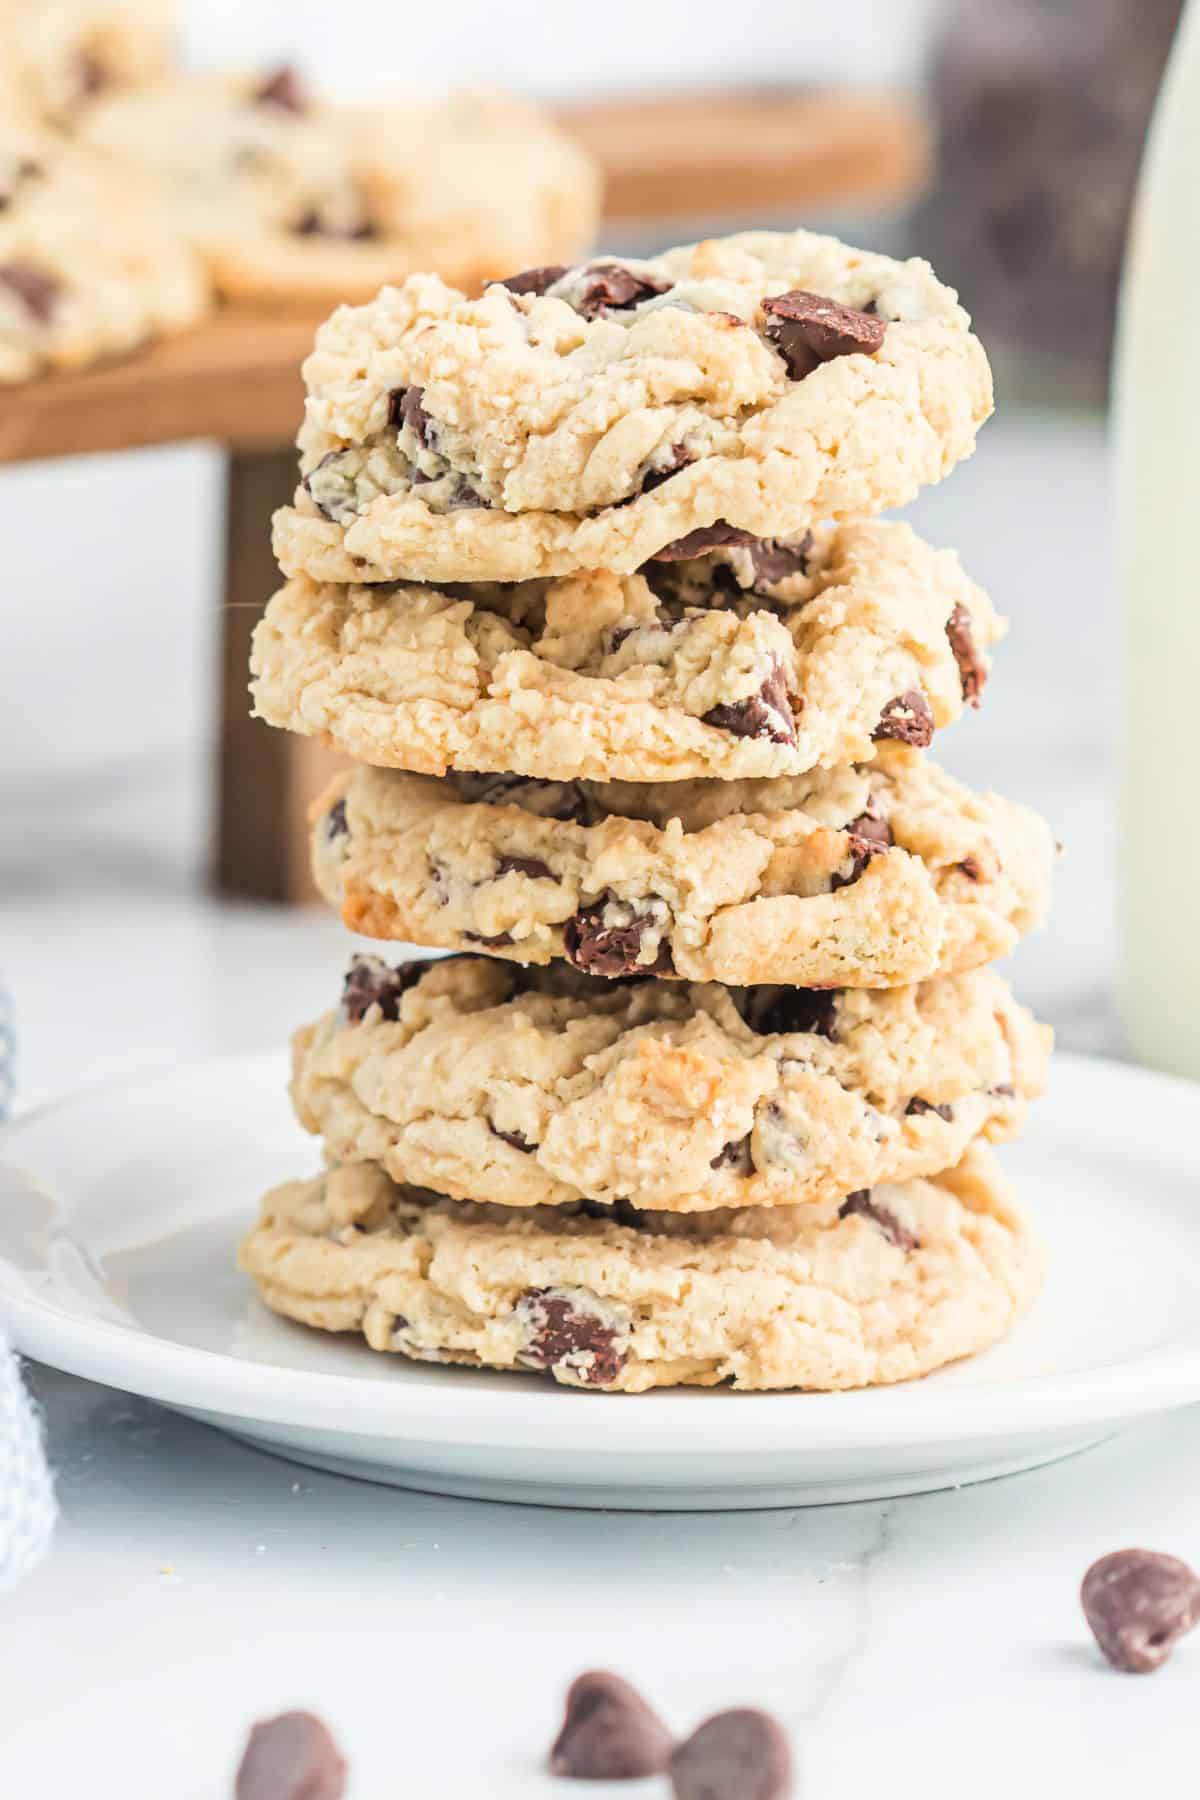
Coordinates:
(915, 1647)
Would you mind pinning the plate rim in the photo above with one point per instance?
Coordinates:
(489, 1415)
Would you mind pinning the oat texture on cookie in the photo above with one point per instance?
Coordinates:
(586, 576)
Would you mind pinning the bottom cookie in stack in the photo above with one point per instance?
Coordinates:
(886, 1285)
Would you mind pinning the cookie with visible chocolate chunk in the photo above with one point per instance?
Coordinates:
(597, 416)
(624, 1300)
(57, 57)
(531, 1087)
(290, 197)
(873, 875)
(752, 661)
(72, 294)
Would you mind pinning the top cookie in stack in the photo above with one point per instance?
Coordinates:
(586, 576)
(593, 418)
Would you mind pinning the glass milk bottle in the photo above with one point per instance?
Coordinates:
(1158, 503)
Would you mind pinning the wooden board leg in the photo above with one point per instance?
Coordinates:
(266, 777)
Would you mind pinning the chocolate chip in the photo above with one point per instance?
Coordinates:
(1139, 1603)
(739, 1755)
(1005, 1090)
(774, 559)
(91, 76)
(499, 942)
(291, 1757)
(405, 408)
(36, 290)
(609, 950)
(774, 1011)
(336, 823)
(810, 330)
(735, 1156)
(971, 668)
(767, 714)
(906, 718)
(917, 1106)
(282, 88)
(515, 1138)
(315, 224)
(532, 866)
(534, 281)
(611, 287)
(862, 1205)
(462, 494)
(564, 800)
(972, 868)
(568, 1328)
(869, 835)
(608, 1733)
(705, 537)
(615, 1212)
(372, 982)
(680, 459)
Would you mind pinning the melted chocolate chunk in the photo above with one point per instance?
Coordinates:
(534, 281)
(1139, 1603)
(972, 868)
(405, 408)
(499, 942)
(739, 1755)
(564, 800)
(464, 495)
(971, 668)
(533, 866)
(809, 330)
(917, 1106)
(372, 982)
(336, 823)
(612, 950)
(608, 1733)
(735, 1156)
(291, 1757)
(282, 88)
(767, 714)
(774, 559)
(862, 1205)
(680, 459)
(907, 718)
(37, 291)
(773, 1011)
(611, 287)
(515, 1138)
(705, 537)
(561, 1330)
(869, 835)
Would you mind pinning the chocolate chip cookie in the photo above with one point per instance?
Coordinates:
(543, 1087)
(905, 1277)
(868, 876)
(841, 640)
(597, 416)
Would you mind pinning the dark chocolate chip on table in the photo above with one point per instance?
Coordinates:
(864, 1205)
(1139, 1603)
(372, 982)
(291, 1757)
(36, 290)
(608, 1733)
(809, 330)
(738, 1755)
(907, 718)
(766, 714)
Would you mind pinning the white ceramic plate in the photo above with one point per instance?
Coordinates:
(119, 1211)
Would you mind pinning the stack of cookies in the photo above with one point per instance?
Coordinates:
(641, 736)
